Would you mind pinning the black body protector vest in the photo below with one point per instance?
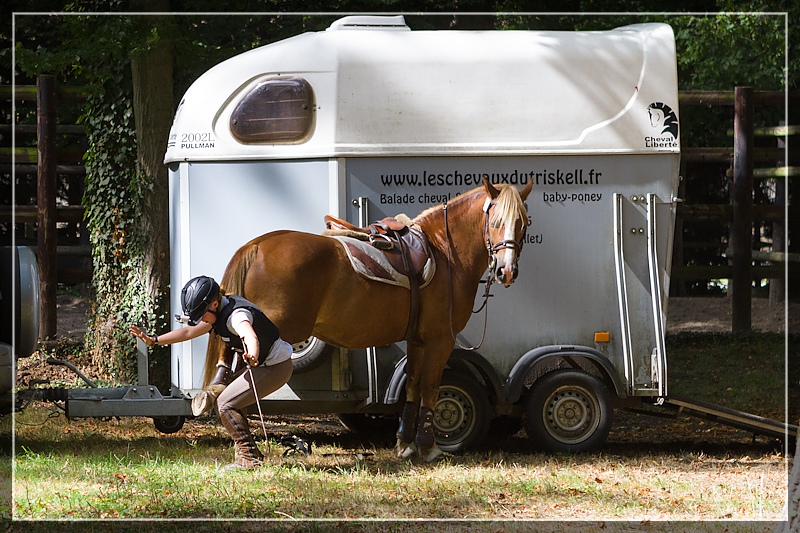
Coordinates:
(266, 331)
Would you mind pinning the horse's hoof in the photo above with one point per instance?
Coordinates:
(206, 399)
(407, 451)
(433, 454)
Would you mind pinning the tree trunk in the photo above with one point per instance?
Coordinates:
(153, 111)
(793, 505)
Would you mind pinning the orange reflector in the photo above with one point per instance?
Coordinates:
(602, 336)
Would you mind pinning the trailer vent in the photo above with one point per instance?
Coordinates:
(279, 110)
(369, 22)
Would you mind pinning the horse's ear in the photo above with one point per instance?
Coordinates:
(491, 190)
(526, 190)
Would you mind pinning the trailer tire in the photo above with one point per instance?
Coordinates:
(168, 424)
(462, 413)
(308, 354)
(568, 411)
(19, 264)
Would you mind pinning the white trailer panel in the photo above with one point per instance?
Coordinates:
(378, 92)
(401, 120)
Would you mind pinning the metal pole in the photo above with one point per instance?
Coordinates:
(742, 201)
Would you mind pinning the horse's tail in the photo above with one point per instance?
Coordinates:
(235, 273)
(232, 283)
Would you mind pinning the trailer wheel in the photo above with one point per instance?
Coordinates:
(169, 424)
(462, 413)
(568, 411)
(308, 354)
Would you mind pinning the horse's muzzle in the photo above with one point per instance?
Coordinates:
(504, 272)
(503, 263)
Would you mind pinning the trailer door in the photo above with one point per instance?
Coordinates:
(640, 281)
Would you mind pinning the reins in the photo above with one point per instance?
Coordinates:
(489, 279)
(491, 250)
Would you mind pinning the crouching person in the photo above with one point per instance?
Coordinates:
(247, 330)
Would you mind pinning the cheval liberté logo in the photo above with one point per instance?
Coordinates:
(665, 122)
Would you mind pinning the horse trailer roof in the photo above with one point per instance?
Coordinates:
(381, 89)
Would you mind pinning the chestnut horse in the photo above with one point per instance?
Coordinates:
(306, 286)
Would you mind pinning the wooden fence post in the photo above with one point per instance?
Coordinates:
(777, 285)
(741, 236)
(46, 200)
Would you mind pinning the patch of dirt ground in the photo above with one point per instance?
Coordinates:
(713, 315)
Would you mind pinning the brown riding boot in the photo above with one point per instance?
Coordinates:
(248, 456)
(207, 398)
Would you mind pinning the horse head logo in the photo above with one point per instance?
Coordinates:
(662, 116)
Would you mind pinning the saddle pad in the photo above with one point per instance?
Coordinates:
(370, 262)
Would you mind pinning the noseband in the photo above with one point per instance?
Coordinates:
(493, 249)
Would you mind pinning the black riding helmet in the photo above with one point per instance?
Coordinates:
(196, 296)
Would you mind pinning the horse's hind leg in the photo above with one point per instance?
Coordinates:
(225, 372)
(410, 415)
(205, 400)
(407, 430)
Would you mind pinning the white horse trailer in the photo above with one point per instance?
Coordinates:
(369, 119)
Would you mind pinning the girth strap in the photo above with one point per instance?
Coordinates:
(413, 313)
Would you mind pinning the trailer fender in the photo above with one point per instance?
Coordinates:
(516, 379)
(19, 300)
(462, 361)
(396, 384)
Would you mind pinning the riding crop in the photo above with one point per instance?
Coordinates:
(255, 392)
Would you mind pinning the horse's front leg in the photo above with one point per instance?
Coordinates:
(424, 440)
(430, 380)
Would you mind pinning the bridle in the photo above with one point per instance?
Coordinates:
(491, 250)
(494, 249)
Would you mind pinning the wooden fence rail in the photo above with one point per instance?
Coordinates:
(46, 161)
(741, 212)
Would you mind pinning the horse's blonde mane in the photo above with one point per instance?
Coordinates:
(508, 208)
(433, 209)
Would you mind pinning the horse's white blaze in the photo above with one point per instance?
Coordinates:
(509, 255)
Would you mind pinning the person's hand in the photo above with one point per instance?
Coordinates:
(250, 344)
(250, 359)
(136, 331)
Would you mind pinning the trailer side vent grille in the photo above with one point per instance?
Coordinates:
(279, 110)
